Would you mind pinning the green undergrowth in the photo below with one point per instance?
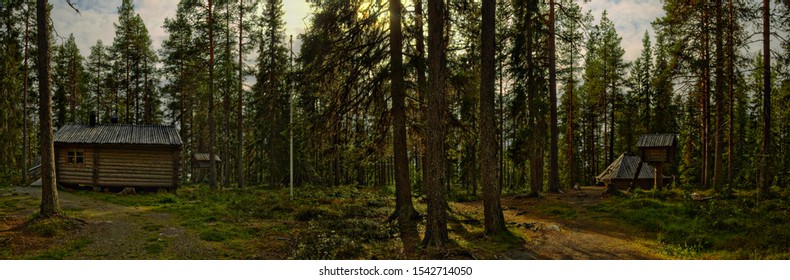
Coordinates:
(342, 222)
(51, 227)
(741, 226)
(346, 222)
(64, 252)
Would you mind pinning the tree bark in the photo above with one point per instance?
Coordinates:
(49, 192)
(492, 206)
(212, 132)
(403, 202)
(239, 112)
(730, 91)
(554, 175)
(24, 101)
(705, 97)
(422, 84)
(436, 226)
(226, 162)
(719, 96)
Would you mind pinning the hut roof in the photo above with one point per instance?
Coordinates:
(656, 140)
(624, 168)
(118, 134)
(204, 157)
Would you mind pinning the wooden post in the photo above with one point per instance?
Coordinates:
(658, 176)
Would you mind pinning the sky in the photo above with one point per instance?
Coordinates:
(631, 18)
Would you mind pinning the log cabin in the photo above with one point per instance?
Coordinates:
(118, 156)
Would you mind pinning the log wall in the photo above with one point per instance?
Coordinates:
(121, 166)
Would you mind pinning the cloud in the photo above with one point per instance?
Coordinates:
(631, 19)
(96, 18)
(94, 22)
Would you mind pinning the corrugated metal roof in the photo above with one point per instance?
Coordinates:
(656, 140)
(204, 157)
(118, 134)
(624, 167)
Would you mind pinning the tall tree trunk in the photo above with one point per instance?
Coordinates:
(730, 91)
(436, 226)
(24, 101)
(422, 84)
(534, 119)
(226, 162)
(705, 96)
(128, 81)
(403, 203)
(604, 132)
(765, 170)
(49, 191)
(719, 96)
(571, 164)
(147, 106)
(610, 153)
(182, 121)
(492, 206)
(212, 163)
(554, 174)
(572, 84)
(502, 126)
(72, 90)
(239, 112)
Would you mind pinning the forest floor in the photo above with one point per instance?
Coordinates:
(344, 223)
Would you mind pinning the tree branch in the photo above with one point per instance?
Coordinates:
(72, 6)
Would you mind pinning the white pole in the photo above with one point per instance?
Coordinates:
(291, 129)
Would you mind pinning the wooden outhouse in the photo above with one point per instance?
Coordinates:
(114, 155)
(658, 149)
(201, 164)
(200, 160)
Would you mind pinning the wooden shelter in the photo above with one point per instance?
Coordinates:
(658, 149)
(113, 155)
(200, 165)
(621, 174)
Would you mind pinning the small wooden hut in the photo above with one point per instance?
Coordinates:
(200, 165)
(621, 173)
(113, 155)
(658, 149)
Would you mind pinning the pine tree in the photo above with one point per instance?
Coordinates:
(270, 108)
(403, 204)
(50, 205)
(99, 64)
(571, 34)
(11, 63)
(212, 127)
(436, 226)
(494, 219)
(70, 85)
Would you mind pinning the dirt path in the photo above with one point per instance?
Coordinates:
(582, 236)
(560, 226)
(119, 232)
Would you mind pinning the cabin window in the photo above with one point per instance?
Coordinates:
(75, 156)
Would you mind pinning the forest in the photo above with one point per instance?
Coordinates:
(435, 129)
